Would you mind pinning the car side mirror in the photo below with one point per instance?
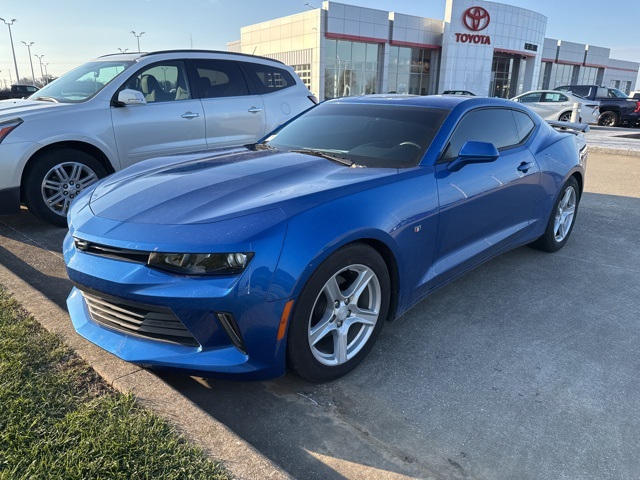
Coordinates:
(474, 152)
(131, 97)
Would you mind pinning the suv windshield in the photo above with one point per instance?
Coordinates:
(81, 83)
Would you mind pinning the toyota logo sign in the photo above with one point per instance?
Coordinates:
(476, 18)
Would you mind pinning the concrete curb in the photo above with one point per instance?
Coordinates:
(630, 152)
(221, 444)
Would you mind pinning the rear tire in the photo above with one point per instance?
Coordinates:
(562, 219)
(55, 179)
(339, 314)
(565, 117)
(609, 119)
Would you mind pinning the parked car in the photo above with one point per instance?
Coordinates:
(634, 95)
(458, 92)
(614, 105)
(119, 109)
(554, 105)
(297, 249)
(18, 91)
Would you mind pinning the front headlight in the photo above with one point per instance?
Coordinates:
(201, 263)
(8, 126)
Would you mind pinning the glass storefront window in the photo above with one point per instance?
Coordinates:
(351, 68)
(409, 70)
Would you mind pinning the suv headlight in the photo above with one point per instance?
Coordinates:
(7, 127)
(201, 263)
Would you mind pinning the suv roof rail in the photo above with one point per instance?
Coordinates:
(189, 50)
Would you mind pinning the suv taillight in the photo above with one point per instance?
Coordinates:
(637, 110)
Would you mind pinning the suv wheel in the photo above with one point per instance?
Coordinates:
(55, 180)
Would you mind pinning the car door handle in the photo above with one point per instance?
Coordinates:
(254, 110)
(525, 166)
(190, 115)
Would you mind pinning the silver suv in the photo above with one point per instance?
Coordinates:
(120, 109)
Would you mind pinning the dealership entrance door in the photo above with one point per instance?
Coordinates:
(505, 75)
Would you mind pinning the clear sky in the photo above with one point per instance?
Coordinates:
(70, 32)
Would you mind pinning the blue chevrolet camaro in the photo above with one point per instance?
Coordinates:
(296, 250)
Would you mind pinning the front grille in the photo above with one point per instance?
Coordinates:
(158, 323)
(111, 252)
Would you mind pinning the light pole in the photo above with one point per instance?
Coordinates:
(40, 60)
(15, 63)
(125, 50)
(137, 35)
(33, 77)
(46, 74)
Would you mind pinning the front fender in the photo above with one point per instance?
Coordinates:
(401, 215)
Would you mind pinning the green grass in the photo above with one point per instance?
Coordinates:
(58, 420)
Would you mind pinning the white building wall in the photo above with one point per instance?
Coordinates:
(467, 66)
(455, 65)
(621, 74)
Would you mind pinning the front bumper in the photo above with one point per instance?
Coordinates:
(202, 345)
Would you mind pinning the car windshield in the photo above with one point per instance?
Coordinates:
(81, 83)
(367, 135)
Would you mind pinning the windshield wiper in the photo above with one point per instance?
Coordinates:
(47, 99)
(320, 153)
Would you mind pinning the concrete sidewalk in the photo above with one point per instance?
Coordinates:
(614, 140)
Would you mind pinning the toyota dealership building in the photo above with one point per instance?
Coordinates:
(483, 47)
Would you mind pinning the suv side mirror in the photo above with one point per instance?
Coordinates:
(131, 97)
(474, 152)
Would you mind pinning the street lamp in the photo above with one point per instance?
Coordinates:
(33, 77)
(15, 63)
(137, 35)
(40, 60)
(46, 74)
(125, 50)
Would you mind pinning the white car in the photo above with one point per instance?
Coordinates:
(120, 109)
(555, 105)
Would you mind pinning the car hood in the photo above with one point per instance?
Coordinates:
(224, 185)
(15, 108)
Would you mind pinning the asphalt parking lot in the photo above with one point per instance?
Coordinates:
(525, 368)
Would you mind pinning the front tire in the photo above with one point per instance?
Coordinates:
(562, 219)
(339, 314)
(55, 180)
(608, 119)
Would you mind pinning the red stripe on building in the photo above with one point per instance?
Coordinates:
(354, 38)
(398, 43)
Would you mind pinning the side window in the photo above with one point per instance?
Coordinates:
(220, 78)
(267, 78)
(492, 125)
(165, 82)
(529, 98)
(554, 97)
(524, 125)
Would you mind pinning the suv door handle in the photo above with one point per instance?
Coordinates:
(190, 115)
(254, 110)
(525, 166)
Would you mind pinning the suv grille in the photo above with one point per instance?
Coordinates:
(158, 323)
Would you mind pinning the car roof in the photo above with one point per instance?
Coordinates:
(189, 52)
(436, 101)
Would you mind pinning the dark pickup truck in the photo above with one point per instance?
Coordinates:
(18, 91)
(615, 107)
